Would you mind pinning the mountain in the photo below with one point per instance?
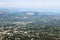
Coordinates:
(29, 17)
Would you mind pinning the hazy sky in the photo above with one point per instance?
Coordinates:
(44, 5)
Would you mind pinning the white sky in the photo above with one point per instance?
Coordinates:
(35, 4)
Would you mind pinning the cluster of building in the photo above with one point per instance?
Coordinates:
(26, 33)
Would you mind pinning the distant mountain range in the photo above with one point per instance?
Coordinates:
(26, 17)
